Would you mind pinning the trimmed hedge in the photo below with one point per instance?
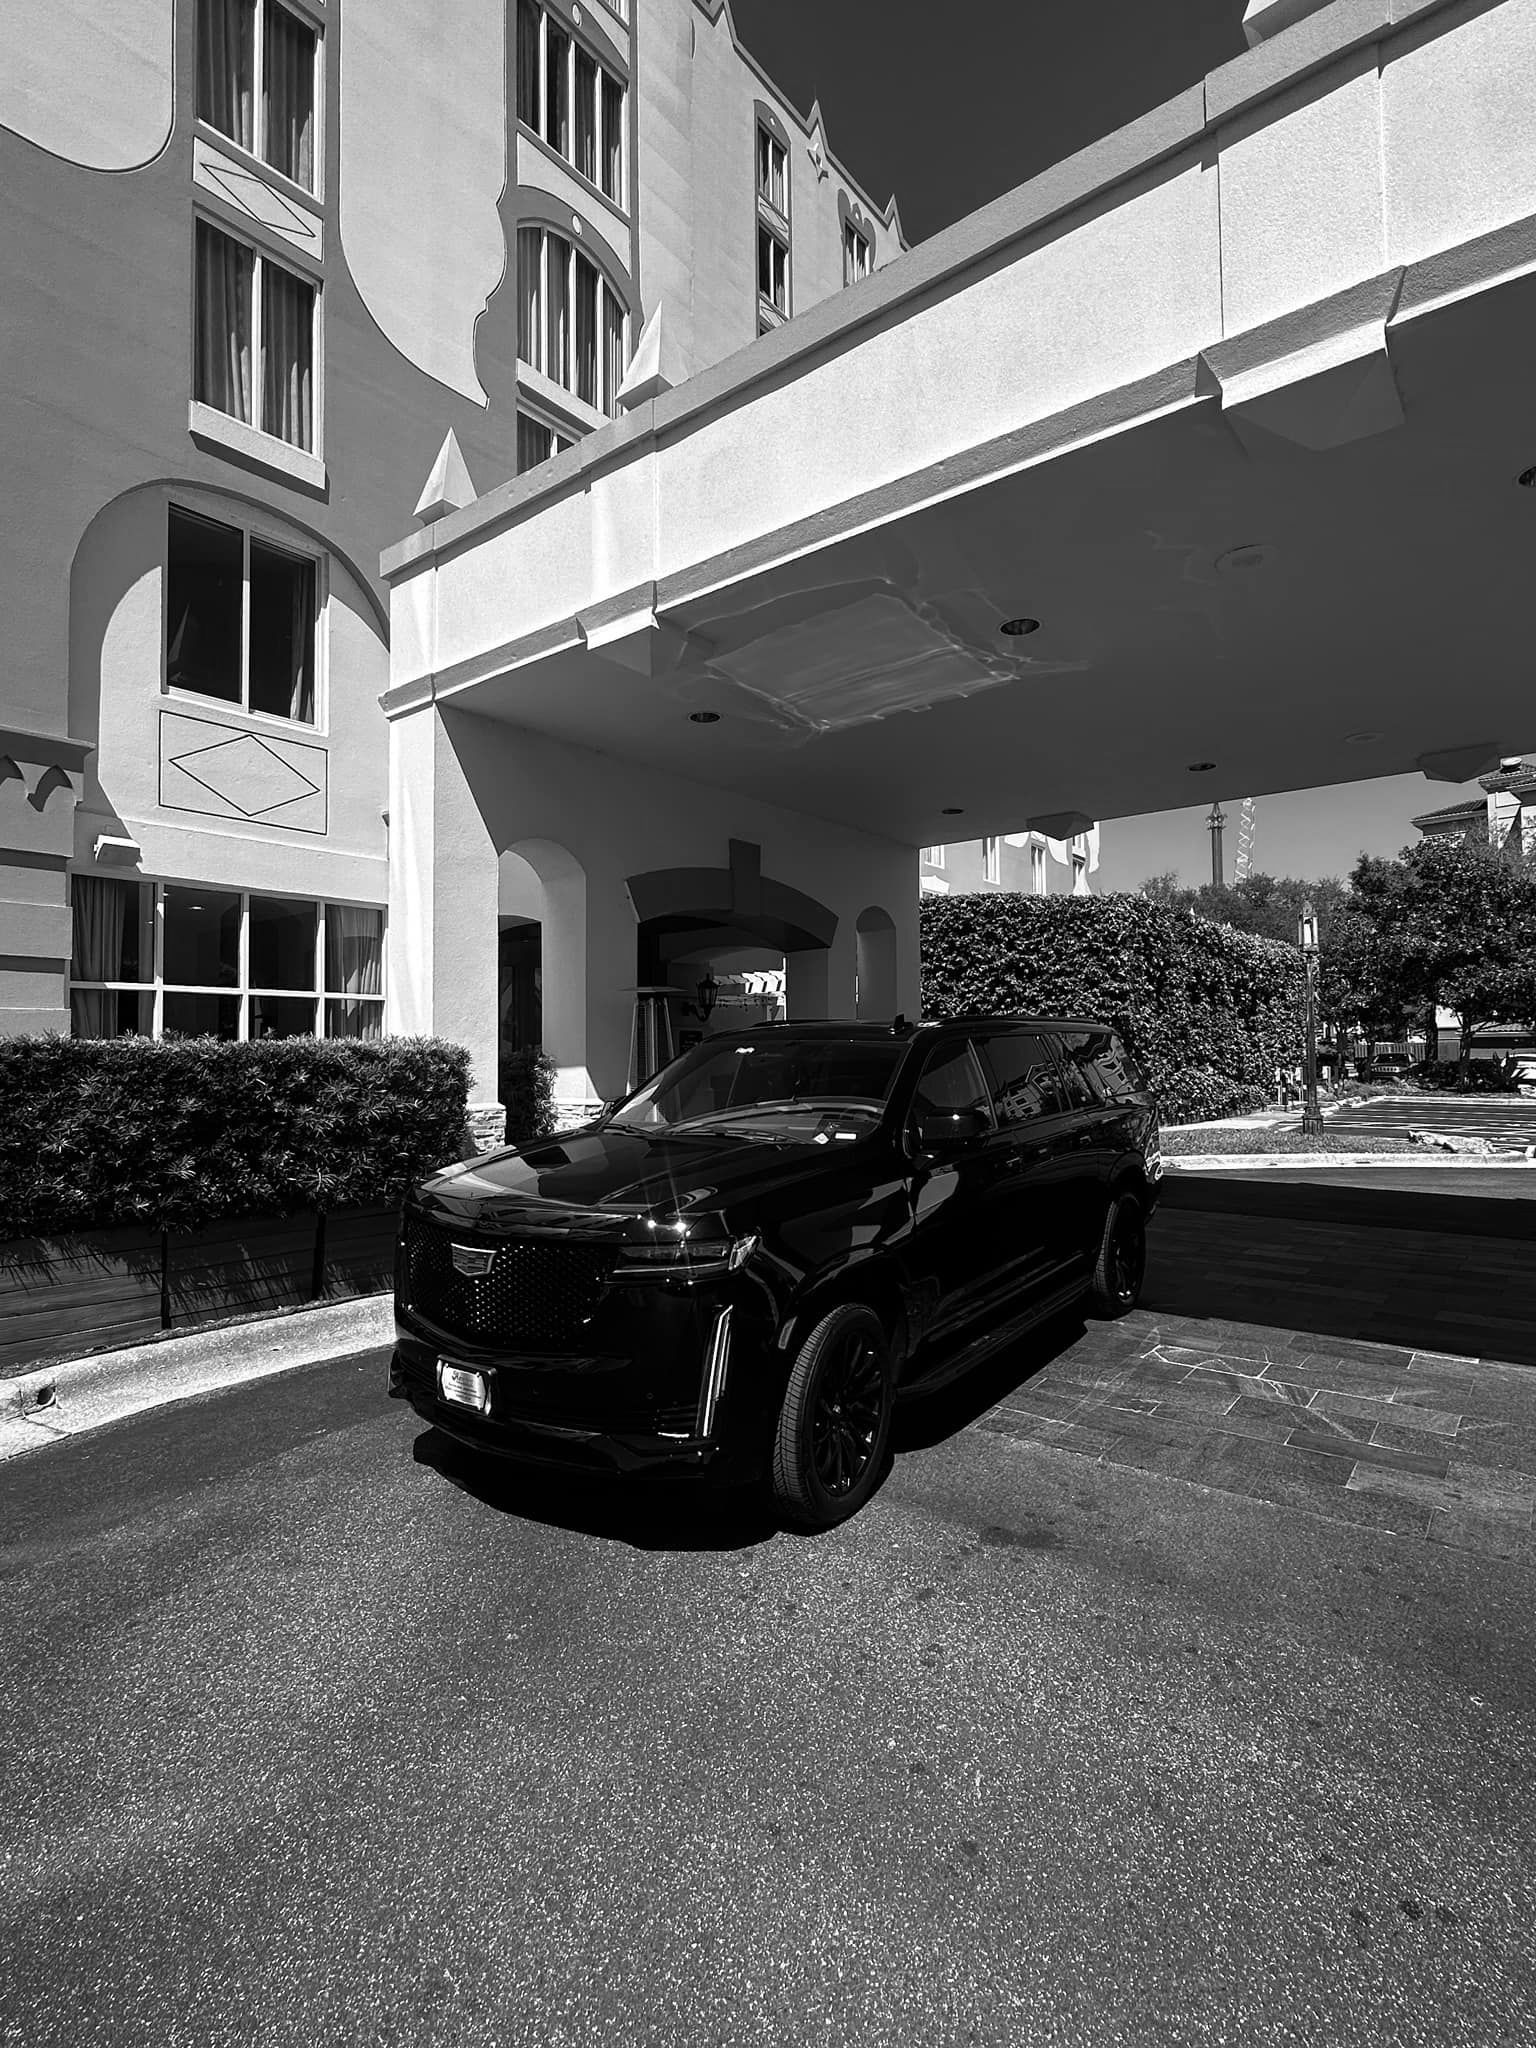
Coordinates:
(1482, 1077)
(1209, 1012)
(103, 1133)
(528, 1091)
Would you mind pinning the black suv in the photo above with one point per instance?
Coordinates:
(743, 1262)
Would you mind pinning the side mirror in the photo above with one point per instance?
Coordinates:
(945, 1132)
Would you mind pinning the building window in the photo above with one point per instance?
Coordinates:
(256, 68)
(933, 856)
(566, 94)
(992, 860)
(536, 441)
(240, 618)
(570, 321)
(771, 164)
(772, 270)
(254, 346)
(171, 958)
(858, 256)
(1037, 876)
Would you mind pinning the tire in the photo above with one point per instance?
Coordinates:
(835, 1421)
(1122, 1262)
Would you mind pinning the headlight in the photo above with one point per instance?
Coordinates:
(686, 1258)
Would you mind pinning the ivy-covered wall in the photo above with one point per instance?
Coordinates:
(1209, 1012)
(103, 1133)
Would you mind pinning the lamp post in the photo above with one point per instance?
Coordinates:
(1306, 938)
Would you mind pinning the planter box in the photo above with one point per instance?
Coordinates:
(65, 1296)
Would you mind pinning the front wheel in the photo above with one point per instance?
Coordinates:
(835, 1421)
(1122, 1262)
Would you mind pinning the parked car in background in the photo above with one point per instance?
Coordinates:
(744, 1263)
(1387, 1066)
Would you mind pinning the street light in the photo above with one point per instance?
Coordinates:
(1306, 938)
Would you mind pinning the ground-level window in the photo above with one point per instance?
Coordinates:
(177, 959)
(992, 860)
(240, 617)
(1037, 879)
(254, 338)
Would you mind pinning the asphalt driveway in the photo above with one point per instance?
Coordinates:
(1175, 1687)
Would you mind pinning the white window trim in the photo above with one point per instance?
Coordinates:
(992, 861)
(319, 995)
(933, 856)
(250, 525)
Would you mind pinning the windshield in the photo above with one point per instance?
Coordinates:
(776, 1081)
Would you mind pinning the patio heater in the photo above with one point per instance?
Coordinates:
(1306, 938)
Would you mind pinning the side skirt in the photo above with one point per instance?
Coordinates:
(955, 1364)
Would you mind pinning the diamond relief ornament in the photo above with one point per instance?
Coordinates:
(247, 774)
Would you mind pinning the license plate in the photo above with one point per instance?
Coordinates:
(464, 1387)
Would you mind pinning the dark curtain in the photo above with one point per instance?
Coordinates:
(222, 370)
(289, 84)
(287, 352)
(226, 39)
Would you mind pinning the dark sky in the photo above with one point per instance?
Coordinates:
(948, 106)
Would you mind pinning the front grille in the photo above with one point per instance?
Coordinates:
(539, 1294)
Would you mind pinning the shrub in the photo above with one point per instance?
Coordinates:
(1483, 1077)
(97, 1133)
(1209, 1012)
(528, 1090)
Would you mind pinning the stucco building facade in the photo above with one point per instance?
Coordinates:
(270, 267)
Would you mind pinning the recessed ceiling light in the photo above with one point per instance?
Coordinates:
(1527, 479)
(1017, 628)
(1362, 739)
(703, 718)
(951, 811)
(1201, 767)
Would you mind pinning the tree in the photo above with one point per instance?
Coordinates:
(1263, 905)
(1452, 922)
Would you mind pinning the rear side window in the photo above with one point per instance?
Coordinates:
(1025, 1080)
(1101, 1057)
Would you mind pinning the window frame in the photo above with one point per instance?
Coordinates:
(855, 240)
(241, 990)
(992, 861)
(780, 247)
(284, 452)
(932, 856)
(267, 534)
(539, 128)
(774, 193)
(607, 401)
(310, 15)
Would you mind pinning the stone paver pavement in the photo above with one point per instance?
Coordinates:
(1420, 1442)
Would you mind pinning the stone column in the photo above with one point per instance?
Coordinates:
(442, 907)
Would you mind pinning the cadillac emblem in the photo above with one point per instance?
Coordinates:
(470, 1259)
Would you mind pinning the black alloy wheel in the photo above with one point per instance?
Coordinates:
(835, 1423)
(1122, 1262)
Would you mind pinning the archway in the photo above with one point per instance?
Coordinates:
(875, 973)
(541, 906)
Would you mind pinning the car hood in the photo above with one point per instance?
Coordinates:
(603, 1177)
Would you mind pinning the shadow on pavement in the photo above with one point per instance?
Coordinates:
(685, 1511)
(1423, 1271)
(923, 1420)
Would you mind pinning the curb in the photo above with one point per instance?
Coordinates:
(68, 1397)
(1240, 1162)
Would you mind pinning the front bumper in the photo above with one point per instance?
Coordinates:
(719, 1424)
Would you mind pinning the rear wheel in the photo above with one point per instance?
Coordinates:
(1122, 1262)
(835, 1421)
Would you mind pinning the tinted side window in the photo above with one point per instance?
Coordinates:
(1081, 1093)
(1103, 1059)
(1024, 1076)
(951, 1082)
